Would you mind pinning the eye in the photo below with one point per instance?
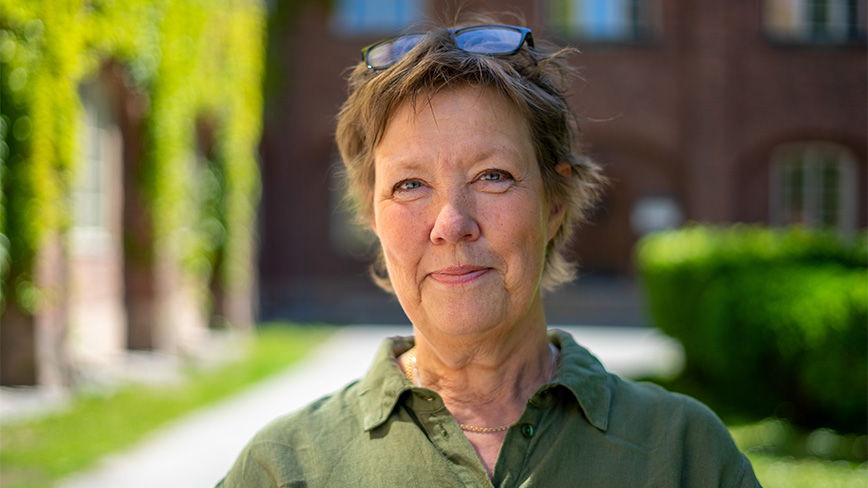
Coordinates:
(407, 185)
(494, 181)
(495, 175)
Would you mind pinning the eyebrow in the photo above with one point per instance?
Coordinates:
(414, 163)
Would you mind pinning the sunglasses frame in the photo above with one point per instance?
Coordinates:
(526, 36)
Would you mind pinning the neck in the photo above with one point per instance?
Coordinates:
(485, 383)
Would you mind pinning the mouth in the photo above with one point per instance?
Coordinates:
(459, 275)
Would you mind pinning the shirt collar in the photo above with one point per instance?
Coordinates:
(578, 371)
(382, 387)
(585, 377)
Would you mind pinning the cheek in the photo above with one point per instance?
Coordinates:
(517, 232)
(401, 230)
(517, 222)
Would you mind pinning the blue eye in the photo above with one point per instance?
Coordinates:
(408, 185)
(495, 175)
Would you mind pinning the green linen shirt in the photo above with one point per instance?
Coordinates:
(586, 427)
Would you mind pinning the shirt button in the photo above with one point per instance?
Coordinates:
(527, 430)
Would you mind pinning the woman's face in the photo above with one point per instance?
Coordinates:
(460, 211)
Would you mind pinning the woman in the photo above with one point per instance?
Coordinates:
(461, 157)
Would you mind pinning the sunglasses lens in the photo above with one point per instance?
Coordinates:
(388, 53)
(481, 39)
(489, 40)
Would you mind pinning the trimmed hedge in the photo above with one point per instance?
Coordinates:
(774, 321)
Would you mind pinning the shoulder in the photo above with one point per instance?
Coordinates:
(678, 429)
(305, 445)
(335, 412)
(285, 451)
(653, 400)
(659, 411)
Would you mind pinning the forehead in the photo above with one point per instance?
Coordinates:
(468, 114)
(472, 96)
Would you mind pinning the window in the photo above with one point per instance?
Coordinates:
(362, 17)
(96, 192)
(601, 20)
(90, 187)
(814, 184)
(655, 213)
(815, 21)
(101, 154)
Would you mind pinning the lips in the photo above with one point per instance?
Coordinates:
(459, 275)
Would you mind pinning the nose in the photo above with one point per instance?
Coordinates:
(455, 222)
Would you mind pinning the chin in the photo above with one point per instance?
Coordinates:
(465, 315)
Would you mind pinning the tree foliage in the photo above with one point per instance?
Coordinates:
(189, 59)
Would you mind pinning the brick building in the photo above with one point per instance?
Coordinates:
(700, 110)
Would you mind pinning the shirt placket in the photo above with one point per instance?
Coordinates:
(523, 439)
(445, 434)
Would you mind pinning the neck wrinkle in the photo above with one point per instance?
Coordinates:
(486, 385)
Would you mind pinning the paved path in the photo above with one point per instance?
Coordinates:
(200, 448)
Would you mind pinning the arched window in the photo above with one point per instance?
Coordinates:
(97, 320)
(814, 184)
(93, 194)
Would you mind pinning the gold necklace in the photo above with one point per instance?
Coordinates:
(412, 374)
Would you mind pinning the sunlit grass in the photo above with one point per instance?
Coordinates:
(789, 472)
(783, 456)
(35, 453)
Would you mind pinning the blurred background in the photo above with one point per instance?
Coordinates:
(717, 112)
(169, 177)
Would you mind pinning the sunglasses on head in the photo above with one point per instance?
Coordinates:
(478, 39)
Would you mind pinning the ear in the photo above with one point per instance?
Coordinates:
(557, 207)
(374, 225)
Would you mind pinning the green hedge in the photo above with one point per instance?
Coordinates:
(774, 321)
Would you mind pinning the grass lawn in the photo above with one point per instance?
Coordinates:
(35, 453)
(789, 472)
(783, 456)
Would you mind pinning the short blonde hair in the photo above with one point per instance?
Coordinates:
(533, 79)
